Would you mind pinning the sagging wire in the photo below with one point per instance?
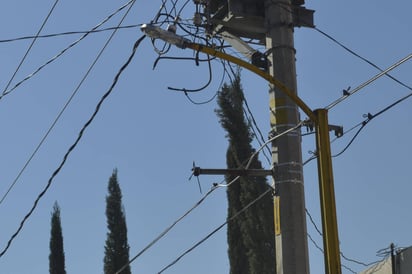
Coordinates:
(198, 61)
(74, 145)
(368, 117)
(213, 188)
(213, 97)
(341, 253)
(65, 106)
(6, 92)
(185, 90)
(173, 18)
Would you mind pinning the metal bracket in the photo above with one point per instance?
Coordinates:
(234, 172)
(337, 129)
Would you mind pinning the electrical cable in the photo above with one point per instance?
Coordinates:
(197, 89)
(64, 107)
(178, 58)
(31, 46)
(212, 98)
(253, 120)
(255, 128)
(348, 49)
(181, 9)
(161, 235)
(6, 92)
(73, 146)
(67, 33)
(269, 190)
(369, 117)
(374, 78)
(341, 253)
(215, 186)
(362, 58)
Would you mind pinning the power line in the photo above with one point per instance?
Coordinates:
(362, 125)
(369, 117)
(362, 58)
(31, 45)
(64, 107)
(6, 92)
(67, 33)
(161, 235)
(374, 78)
(73, 146)
(269, 190)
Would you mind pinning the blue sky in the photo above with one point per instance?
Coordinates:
(152, 135)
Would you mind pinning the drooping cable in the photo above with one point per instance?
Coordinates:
(65, 106)
(369, 117)
(6, 92)
(374, 78)
(202, 87)
(31, 45)
(73, 146)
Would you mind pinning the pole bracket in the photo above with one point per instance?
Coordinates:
(338, 130)
(231, 171)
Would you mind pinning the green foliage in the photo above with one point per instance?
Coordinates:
(56, 257)
(251, 237)
(116, 248)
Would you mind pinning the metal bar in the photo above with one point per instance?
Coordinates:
(327, 195)
(235, 172)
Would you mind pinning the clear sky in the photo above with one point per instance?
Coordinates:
(152, 135)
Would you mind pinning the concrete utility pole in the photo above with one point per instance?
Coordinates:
(290, 220)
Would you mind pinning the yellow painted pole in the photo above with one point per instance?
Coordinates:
(327, 195)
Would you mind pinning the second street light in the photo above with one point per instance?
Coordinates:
(319, 118)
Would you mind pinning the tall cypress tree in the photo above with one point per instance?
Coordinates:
(56, 257)
(117, 247)
(251, 237)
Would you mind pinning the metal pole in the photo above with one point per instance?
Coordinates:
(393, 261)
(291, 239)
(327, 195)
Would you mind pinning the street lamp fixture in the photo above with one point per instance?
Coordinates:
(170, 37)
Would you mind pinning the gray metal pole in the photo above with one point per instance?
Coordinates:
(291, 238)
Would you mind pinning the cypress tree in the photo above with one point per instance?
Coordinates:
(117, 247)
(251, 237)
(56, 257)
